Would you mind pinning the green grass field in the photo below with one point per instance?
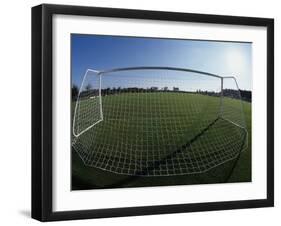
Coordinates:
(140, 129)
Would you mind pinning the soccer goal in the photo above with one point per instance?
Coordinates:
(157, 121)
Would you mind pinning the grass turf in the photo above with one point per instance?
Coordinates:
(126, 112)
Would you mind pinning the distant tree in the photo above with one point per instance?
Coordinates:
(74, 92)
(88, 87)
(107, 91)
(154, 88)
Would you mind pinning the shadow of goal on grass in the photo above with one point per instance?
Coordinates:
(204, 151)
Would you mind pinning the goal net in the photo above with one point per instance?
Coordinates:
(154, 121)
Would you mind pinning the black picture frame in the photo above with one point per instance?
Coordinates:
(42, 111)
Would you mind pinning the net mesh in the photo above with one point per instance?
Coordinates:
(157, 122)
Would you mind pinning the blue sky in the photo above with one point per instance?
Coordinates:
(105, 52)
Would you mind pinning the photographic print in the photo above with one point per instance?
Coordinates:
(138, 112)
(159, 112)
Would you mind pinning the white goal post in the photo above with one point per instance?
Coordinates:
(96, 101)
(157, 121)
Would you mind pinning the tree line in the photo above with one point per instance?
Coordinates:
(245, 95)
